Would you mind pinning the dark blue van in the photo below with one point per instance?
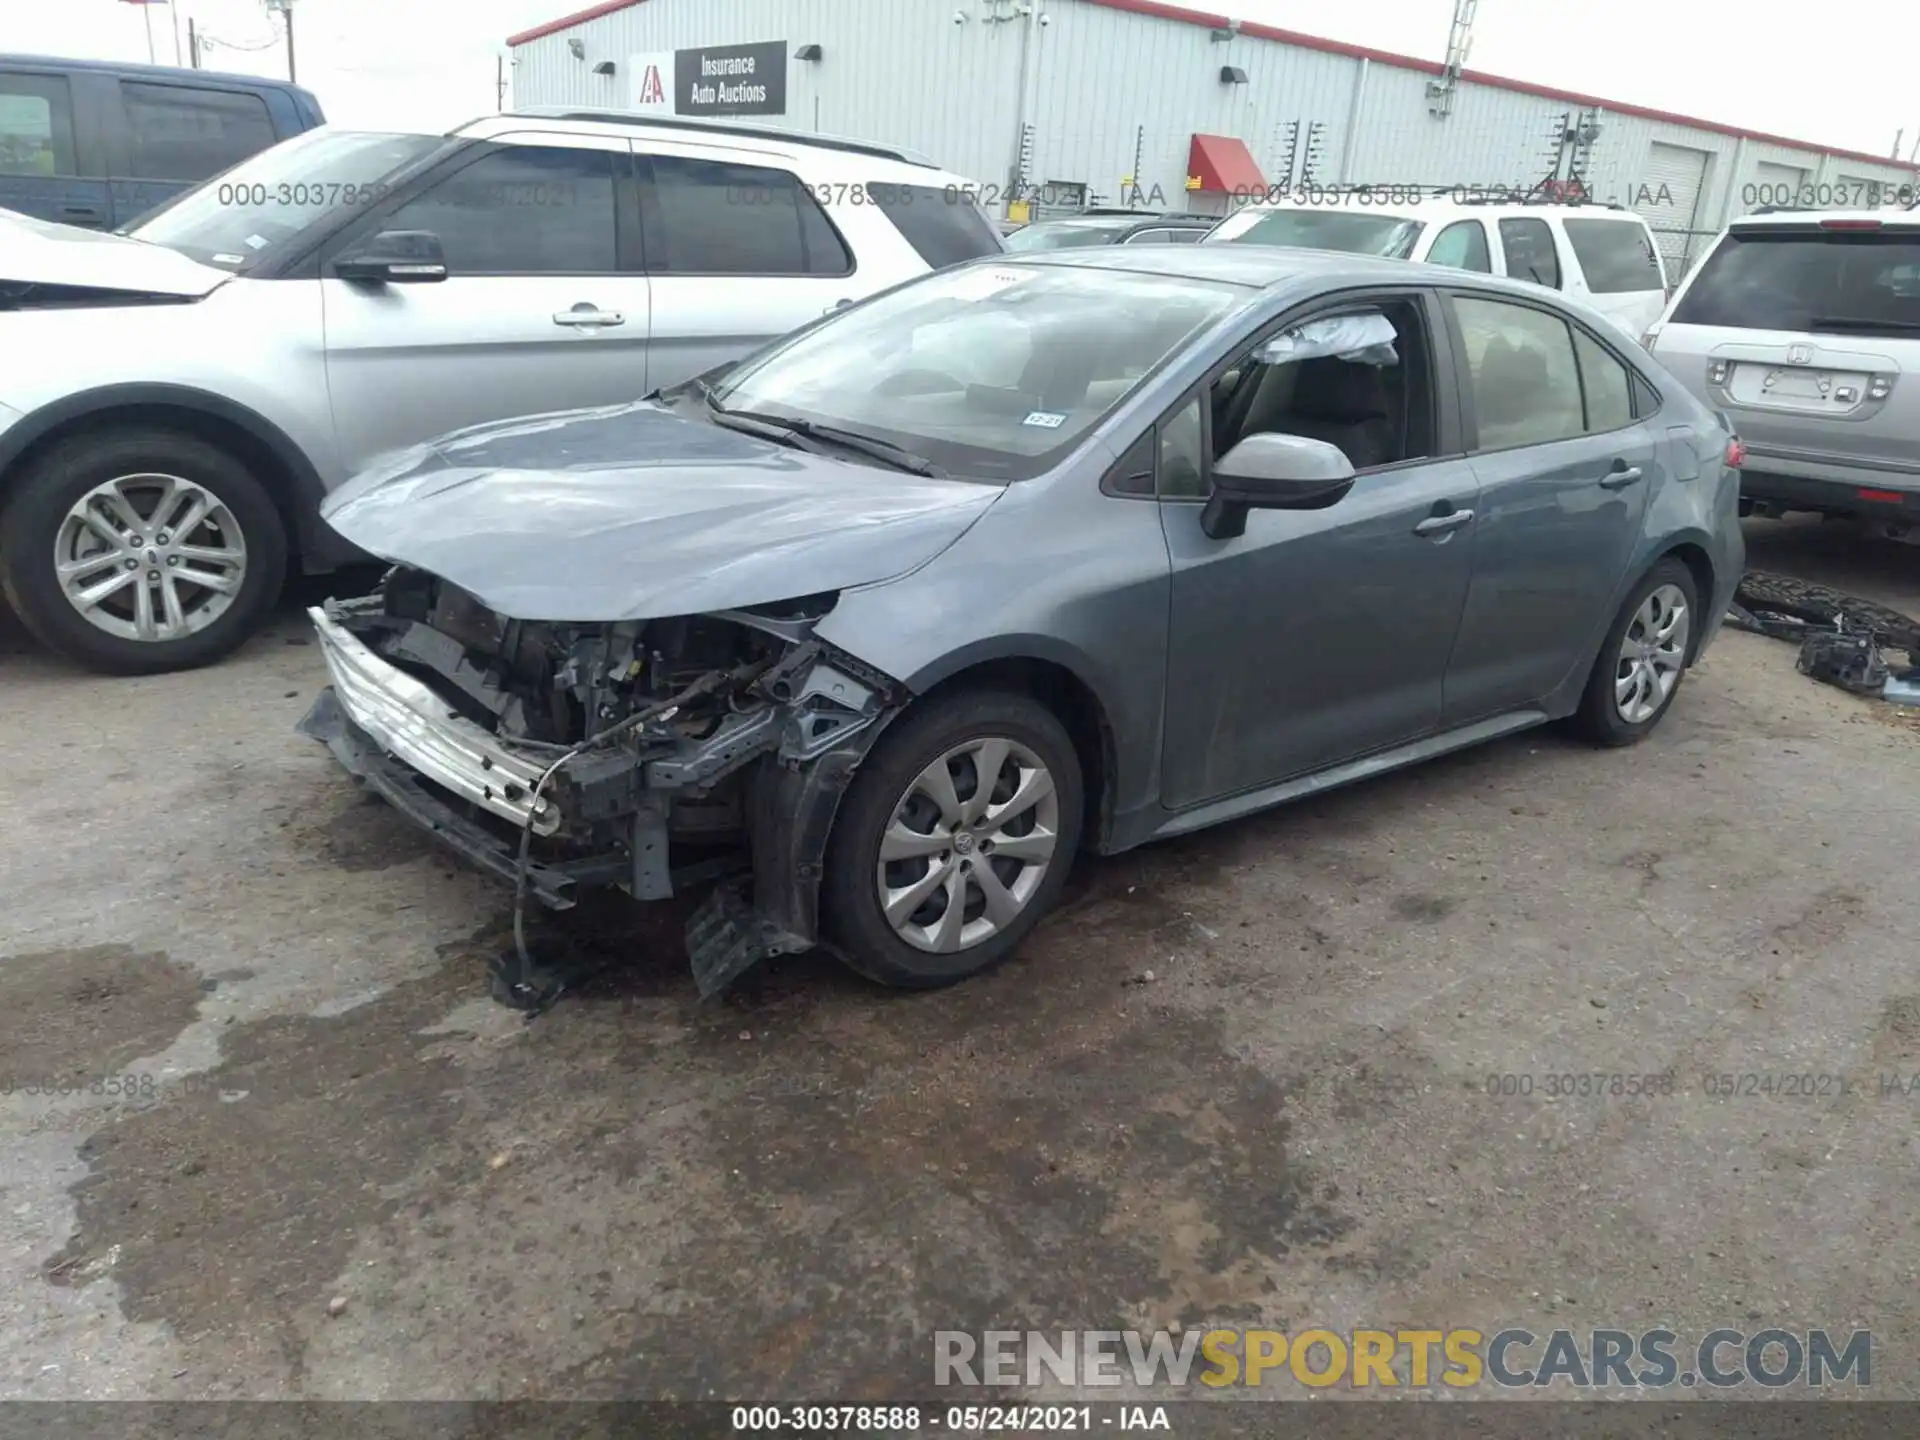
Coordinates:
(86, 142)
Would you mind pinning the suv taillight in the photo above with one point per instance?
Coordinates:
(1736, 453)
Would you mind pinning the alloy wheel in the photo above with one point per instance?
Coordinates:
(968, 845)
(1653, 653)
(150, 557)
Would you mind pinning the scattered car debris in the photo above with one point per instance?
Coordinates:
(1841, 637)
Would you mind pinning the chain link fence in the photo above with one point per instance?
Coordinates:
(1681, 249)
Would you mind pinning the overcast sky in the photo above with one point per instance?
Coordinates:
(1784, 69)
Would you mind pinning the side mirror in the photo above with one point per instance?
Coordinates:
(395, 257)
(1273, 472)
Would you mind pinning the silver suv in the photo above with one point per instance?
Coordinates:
(1804, 330)
(175, 403)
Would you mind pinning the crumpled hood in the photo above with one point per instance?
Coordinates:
(630, 513)
(40, 252)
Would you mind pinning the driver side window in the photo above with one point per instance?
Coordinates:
(1343, 384)
(521, 210)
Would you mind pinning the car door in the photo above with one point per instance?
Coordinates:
(1619, 269)
(1564, 467)
(1320, 635)
(544, 307)
(738, 251)
(51, 166)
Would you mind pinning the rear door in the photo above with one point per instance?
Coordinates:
(1807, 334)
(544, 307)
(166, 135)
(738, 251)
(1565, 454)
(1619, 270)
(52, 165)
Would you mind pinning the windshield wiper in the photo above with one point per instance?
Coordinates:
(1849, 322)
(767, 427)
(824, 436)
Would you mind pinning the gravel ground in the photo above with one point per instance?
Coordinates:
(343, 1172)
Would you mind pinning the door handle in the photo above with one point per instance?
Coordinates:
(83, 212)
(1620, 477)
(588, 318)
(1444, 524)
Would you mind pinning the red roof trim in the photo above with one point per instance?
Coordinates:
(1180, 15)
(567, 22)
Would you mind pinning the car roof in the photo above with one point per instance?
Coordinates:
(174, 73)
(833, 151)
(1842, 220)
(1443, 207)
(1265, 267)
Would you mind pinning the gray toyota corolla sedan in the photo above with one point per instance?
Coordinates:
(877, 630)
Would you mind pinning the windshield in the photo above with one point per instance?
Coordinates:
(241, 218)
(1391, 236)
(1857, 282)
(991, 371)
(1061, 236)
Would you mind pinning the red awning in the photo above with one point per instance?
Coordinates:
(1222, 165)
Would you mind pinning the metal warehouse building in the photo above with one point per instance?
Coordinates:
(1060, 104)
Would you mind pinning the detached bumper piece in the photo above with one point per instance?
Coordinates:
(553, 885)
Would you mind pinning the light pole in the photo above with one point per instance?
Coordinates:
(285, 8)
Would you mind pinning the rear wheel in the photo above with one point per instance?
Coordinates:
(140, 551)
(1643, 659)
(955, 839)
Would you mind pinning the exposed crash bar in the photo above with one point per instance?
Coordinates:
(410, 721)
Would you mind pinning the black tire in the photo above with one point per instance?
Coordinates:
(1772, 597)
(35, 508)
(1599, 719)
(857, 928)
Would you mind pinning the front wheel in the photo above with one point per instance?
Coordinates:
(955, 839)
(1643, 659)
(140, 551)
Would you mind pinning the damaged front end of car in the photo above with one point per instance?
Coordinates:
(651, 756)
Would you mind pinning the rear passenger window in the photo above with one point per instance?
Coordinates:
(1463, 245)
(943, 227)
(180, 132)
(1525, 383)
(1606, 383)
(36, 126)
(1616, 256)
(1530, 251)
(715, 218)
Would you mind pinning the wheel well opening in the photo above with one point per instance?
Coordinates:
(1701, 568)
(1064, 693)
(236, 440)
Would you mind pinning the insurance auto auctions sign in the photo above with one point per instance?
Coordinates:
(713, 80)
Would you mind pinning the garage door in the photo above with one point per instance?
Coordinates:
(1776, 185)
(1669, 198)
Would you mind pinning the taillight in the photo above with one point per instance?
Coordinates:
(1849, 224)
(1736, 453)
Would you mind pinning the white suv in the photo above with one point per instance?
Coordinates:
(1601, 255)
(1803, 327)
(174, 405)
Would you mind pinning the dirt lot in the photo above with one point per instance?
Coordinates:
(786, 1193)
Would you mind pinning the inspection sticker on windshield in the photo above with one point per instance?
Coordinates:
(1045, 419)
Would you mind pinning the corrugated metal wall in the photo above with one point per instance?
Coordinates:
(1104, 81)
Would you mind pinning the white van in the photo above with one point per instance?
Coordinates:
(1601, 255)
